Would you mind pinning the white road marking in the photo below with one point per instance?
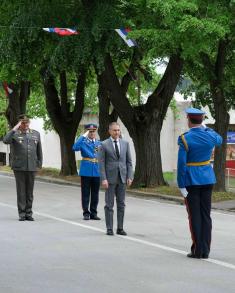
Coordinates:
(133, 239)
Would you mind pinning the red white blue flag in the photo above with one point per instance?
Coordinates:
(61, 31)
(123, 33)
(7, 89)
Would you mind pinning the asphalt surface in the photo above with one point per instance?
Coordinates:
(60, 252)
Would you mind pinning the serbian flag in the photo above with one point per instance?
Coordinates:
(61, 31)
(7, 89)
(123, 33)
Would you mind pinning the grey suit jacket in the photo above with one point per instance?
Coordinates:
(26, 150)
(110, 165)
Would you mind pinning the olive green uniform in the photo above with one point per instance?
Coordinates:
(25, 159)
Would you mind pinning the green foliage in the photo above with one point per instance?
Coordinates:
(161, 28)
(3, 121)
(174, 108)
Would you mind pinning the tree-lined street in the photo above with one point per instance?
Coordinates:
(60, 252)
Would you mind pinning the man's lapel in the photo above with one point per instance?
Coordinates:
(121, 148)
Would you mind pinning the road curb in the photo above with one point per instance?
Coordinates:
(134, 193)
(45, 179)
(149, 195)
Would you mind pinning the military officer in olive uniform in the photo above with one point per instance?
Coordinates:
(88, 145)
(196, 177)
(26, 158)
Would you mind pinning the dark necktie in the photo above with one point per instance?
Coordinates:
(116, 149)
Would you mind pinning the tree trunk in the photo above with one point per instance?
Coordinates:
(221, 126)
(105, 117)
(68, 162)
(221, 112)
(148, 170)
(144, 122)
(64, 121)
(17, 101)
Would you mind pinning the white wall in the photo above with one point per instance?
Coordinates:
(172, 128)
(50, 145)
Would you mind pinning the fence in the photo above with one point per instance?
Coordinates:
(230, 178)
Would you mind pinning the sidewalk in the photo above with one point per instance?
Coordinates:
(228, 205)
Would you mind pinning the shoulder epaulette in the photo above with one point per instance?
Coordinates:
(184, 141)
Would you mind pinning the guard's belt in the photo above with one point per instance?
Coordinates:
(198, 163)
(93, 160)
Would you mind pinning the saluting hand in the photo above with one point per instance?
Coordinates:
(86, 134)
(16, 127)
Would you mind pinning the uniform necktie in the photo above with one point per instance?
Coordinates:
(116, 149)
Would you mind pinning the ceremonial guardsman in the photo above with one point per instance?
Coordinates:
(196, 177)
(88, 145)
(26, 158)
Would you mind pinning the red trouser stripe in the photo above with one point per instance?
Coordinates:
(190, 224)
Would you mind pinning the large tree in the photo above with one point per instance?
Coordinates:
(144, 118)
(212, 67)
(59, 62)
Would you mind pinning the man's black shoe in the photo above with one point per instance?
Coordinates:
(109, 232)
(22, 219)
(86, 217)
(29, 218)
(94, 218)
(205, 256)
(121, 232)
(192, 255)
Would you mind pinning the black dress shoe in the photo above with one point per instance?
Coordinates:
(86, 217)
(29, 218)
(121, 232)
(109, 232)
(205, 256)
(22, 218)
(95, 218)
(193, 255)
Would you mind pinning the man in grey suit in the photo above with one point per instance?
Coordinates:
(116, 172)
(26, 158)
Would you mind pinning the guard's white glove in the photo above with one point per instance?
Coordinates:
(86, 134)
(184, 192)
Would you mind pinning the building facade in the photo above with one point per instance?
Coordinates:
(174, 124)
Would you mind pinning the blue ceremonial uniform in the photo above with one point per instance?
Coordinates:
(200, 142)
(89, 172)
(88, 149)
(195, 173)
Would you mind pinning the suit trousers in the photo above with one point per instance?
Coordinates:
(24, 188)
(118, 190)
(198, 203)
(90, 194)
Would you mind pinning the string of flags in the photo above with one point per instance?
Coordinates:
(122, 32)
(61, 31)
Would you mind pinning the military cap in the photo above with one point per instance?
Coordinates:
(91, 126)
(194, 111)
(23, 117)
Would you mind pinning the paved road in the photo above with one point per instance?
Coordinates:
(60, 252)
